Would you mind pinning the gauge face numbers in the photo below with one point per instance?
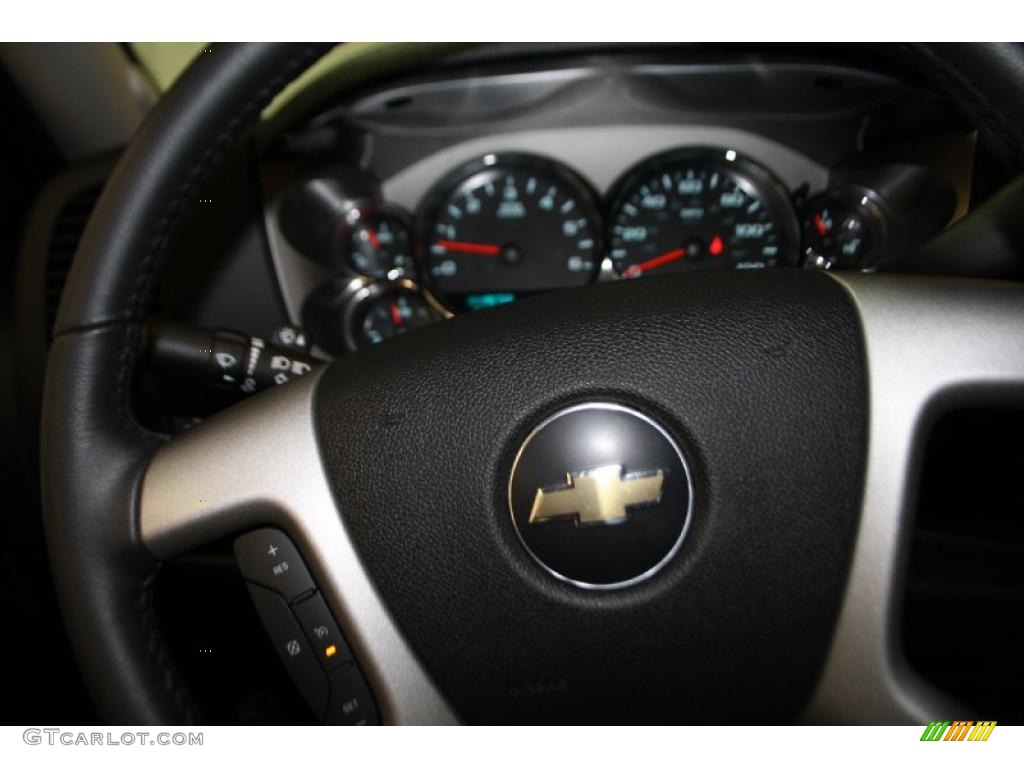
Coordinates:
(516, 227)
(377, 244)
(836, 234)
(392, 313)
(699, 210)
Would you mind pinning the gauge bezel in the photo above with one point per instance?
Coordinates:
(776, 196)
(370, 291)
(351, 215)
(433, 201)
(869, 206)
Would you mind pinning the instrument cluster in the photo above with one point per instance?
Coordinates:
(508, 225)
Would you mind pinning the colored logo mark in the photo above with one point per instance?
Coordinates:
(959, 730)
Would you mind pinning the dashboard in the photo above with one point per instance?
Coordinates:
(476, 187)
(490, 178)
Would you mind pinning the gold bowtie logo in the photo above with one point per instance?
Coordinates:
(597, 496)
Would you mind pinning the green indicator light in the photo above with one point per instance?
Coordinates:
(484, 300)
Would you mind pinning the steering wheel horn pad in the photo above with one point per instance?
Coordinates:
(764, 378)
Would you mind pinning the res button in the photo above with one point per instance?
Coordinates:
(268, 557)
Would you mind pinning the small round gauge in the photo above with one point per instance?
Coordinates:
(388, 311)
(842, 229)
(507, 226)
(376, 242)
(700, 208)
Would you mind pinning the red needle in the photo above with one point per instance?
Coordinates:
(657, 261)
(716, 246)
(483, 249)
(396, 315)
(374, 240)
(820, 225)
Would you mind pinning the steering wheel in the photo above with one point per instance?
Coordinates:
(793, 401)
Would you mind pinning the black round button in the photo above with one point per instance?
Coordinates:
(600, 495)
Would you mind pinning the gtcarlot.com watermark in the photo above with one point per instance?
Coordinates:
(71, 738)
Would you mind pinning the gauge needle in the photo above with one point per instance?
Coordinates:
(396, 315)
(820, 225)
(657, 261)
(374, 240)
(482, 249)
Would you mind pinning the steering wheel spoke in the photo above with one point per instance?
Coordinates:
(258, 464)
(931, 344)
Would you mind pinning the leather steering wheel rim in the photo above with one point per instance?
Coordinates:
(94, 453)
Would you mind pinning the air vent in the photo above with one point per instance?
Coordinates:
(64, 239)
(965, 577)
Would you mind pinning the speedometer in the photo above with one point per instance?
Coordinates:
(506, 226)
(700, 208)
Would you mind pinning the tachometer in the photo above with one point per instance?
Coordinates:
(505, 226)
(700, 208)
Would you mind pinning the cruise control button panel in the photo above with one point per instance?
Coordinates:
(304, 633)
(267, 557)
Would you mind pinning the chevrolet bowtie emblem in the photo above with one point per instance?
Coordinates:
(601, 495)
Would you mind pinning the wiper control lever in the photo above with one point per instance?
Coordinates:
(226, 359)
